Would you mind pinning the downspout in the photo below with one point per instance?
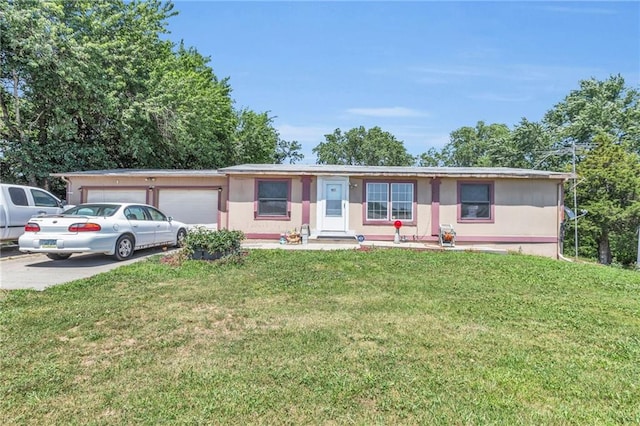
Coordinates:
(68, 191)
(226, 200)
(561, 257)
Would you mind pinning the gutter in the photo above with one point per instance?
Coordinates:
(68, 191)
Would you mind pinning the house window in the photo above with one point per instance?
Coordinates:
(272, 198)
(475, 201)
(390, 201)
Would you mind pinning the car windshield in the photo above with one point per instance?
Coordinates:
(93, 210)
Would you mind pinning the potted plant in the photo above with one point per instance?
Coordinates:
(207, 244)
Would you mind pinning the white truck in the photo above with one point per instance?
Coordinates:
(19, 203)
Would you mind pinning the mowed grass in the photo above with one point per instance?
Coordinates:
(297, 337)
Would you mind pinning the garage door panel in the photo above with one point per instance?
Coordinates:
(117, 195)
(191, 206)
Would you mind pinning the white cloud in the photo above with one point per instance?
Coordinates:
(513, 72)
(388, 112)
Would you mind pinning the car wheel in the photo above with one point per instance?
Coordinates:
(182, 234)
(124, 247)
(58, 256)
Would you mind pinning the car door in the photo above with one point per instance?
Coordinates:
(44, 202)
(21, 209)
(164, 232)
(143, 227)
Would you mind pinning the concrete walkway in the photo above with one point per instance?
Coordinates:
(349, 245)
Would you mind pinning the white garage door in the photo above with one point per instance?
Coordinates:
(191, 206)
(117, 195)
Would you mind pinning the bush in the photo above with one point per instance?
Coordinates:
(219, 243)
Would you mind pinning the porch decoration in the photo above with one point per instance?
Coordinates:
(447, 236)
(397, 224)
(293, 237)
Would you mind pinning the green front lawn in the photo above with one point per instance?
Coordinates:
(301, 337)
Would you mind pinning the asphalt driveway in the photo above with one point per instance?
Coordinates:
(37, 272)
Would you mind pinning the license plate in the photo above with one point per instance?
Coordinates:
(48, 244)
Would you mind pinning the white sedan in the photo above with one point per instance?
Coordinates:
(116, 229)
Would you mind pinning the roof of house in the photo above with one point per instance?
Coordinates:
(331, 170)
(337, 170)
(142, 172)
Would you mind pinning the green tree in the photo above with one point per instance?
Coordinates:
(70, 74)
(288, 150)
(255, 139)
(597, 107)
(531, 147)
(577, 125)
(90, 84)
(431, 158)
(186, 118)
(359, 146)
(479, 146)
(609, 189)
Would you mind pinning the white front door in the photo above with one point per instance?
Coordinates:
(333, 205)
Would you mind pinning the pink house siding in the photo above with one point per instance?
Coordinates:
(525, 206)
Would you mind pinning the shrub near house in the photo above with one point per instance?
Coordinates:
(209, 244)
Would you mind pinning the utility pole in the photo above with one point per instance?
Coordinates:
(563, 151)
(575, 195)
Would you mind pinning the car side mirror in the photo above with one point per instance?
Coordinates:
(169, 218)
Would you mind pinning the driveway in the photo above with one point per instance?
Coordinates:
(37, 272)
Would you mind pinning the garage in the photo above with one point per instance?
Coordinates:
(95, 195)
(195, 197)
(194, 206)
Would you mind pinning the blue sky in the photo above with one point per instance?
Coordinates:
(418, 70)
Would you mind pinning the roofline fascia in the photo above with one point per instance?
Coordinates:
(76, 175)
(558, 176)
(431, 175)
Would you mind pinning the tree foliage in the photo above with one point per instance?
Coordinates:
(255, 139)
(601, 119)
(90, 84)
(494, 145)
(288, 151)
(359, 146)
(70, 73)
(609, 189)
(187, 119)
(480, 146)
(597, 107)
